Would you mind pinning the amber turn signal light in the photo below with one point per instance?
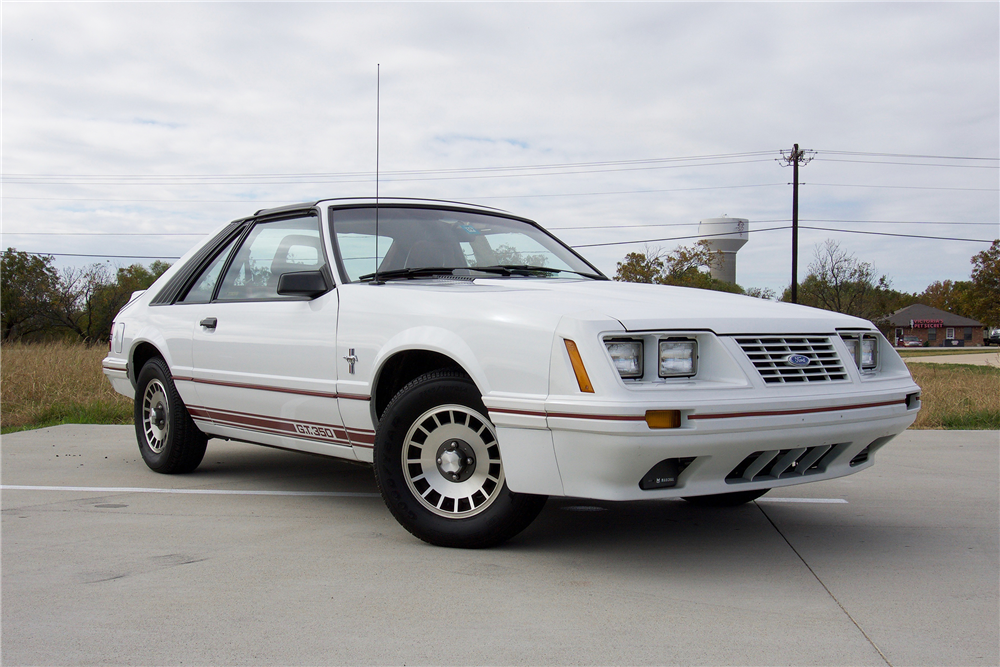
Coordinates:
(582, 379)
(663, 418)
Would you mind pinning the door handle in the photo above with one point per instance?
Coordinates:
(209, 322)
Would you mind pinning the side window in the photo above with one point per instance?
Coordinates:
(270, 250)
(204, 285)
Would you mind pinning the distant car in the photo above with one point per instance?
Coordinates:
(482, 365)
(912, 341)
(992, 337)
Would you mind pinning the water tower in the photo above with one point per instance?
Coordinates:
(727, 235)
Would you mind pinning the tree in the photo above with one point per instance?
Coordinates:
(952, 296)
(985, 291)
(683, 266)
(641, 267)
(110, 296)
(85, 300)
(27, 283)
(74, 300)
(761, 293)
(841, 282)
(507, 255)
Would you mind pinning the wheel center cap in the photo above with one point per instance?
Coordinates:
(451, 462)
(157, 417)
(456, 460)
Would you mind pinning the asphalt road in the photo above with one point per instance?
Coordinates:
(264, 557)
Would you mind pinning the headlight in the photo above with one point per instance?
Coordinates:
(863, 349)
(677, 357)
(852, 349)
(869, 352)
(627, 357)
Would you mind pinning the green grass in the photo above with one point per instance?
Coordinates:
(941, 351)
(95, 412)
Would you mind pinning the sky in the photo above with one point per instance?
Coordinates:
(129, 131)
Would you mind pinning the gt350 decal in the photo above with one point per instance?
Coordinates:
(329, 433)
(319, 431)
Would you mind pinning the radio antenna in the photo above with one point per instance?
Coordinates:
(378, 105)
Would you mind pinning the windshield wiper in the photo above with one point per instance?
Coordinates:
(505, 270)
(528, 269)
(415, 272)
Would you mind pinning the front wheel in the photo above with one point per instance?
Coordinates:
(168, 439)
(726, 499)
(438, 467)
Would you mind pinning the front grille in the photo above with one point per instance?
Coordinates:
(770, 356)
(785, 463)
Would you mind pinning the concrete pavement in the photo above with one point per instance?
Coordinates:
(267, 557)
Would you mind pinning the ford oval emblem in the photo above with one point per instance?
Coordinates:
(797, 360)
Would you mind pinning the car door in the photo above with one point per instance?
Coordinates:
(264, 363)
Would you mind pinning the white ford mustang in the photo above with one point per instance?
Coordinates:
(481, 365)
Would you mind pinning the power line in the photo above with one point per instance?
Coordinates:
(282, 202)
(772, 229)
(558, 165)
(905, 236)
(556, 228)
(902, 222)
(925, 157)
(912, 164)
(900, 187)
(672, 238)
(691, 224)
(612, 243)
(171, 201)
(100, 234)
(633, 192)
(225, 180)
(72, 254)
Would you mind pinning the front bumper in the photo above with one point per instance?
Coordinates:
(603, 451)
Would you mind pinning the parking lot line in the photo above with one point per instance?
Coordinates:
(331, 494)
(827, 501)
(205, 492)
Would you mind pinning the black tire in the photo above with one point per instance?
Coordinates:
(168, 439)
(437, 464)
(726, 499)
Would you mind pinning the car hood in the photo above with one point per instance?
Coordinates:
(642, 307)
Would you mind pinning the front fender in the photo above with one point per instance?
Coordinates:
(432, 339)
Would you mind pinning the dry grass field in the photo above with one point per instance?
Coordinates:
(57, 383)
(957, 396)
(62, 383)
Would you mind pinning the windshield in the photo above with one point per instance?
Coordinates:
(421, 242)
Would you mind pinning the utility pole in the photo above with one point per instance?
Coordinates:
(795, 158)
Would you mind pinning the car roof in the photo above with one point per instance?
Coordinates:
(387, 201)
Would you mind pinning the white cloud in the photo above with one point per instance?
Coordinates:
(286, 88)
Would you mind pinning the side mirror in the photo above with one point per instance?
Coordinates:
(303, 283)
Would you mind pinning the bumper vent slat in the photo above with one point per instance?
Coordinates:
(771, 355)
(785, 463)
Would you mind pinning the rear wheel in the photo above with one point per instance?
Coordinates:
(168, 439)
(726, 499)
(438, 466)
